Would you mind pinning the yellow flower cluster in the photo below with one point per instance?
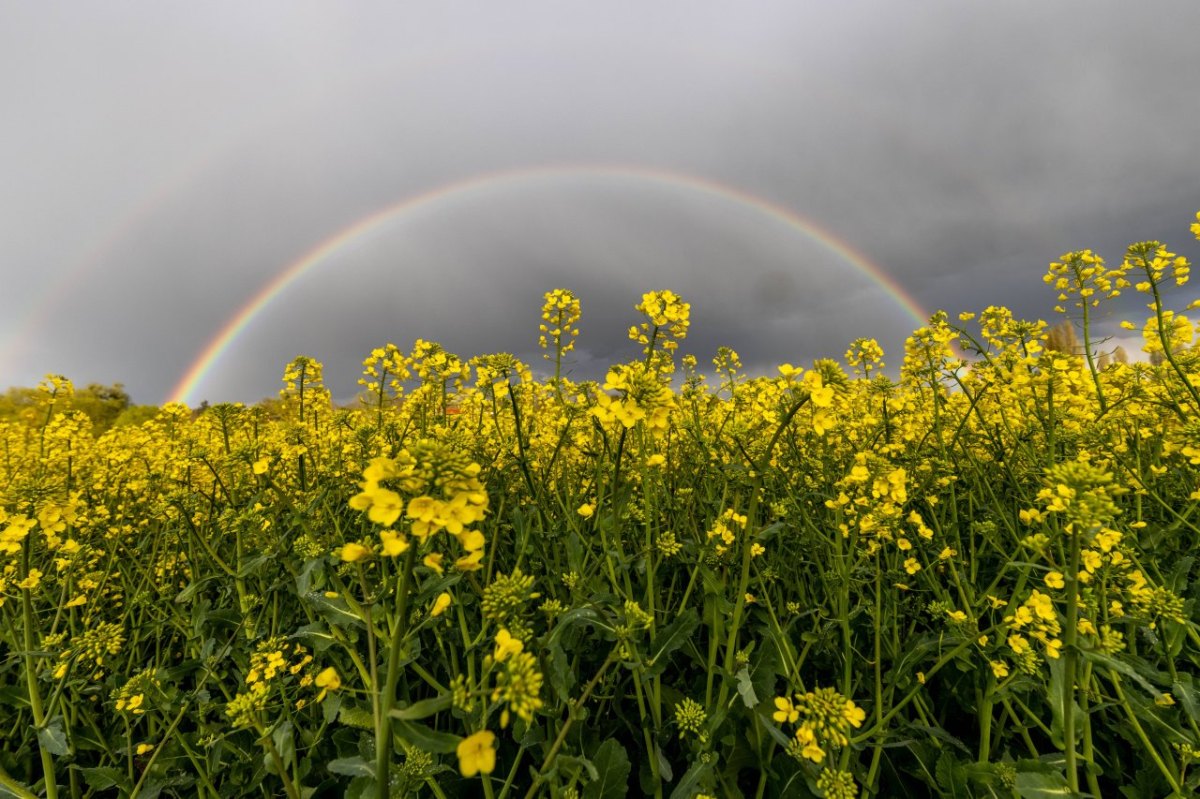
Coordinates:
(275, 658)
(14, 532)
(865, 355)
(725, 531)
(871, 497)
(1082, 275)
(518, 686)
(836, 784)
(433, 364)
(384, 373)
(136, 695)
(668, 317)
(823, 720)
(690, 718)
(560, 316)
(642, 397)
(1083, 493)
(1039, 619)
(275, 666)
(506, 598)
(1154, 261)
(448, 496)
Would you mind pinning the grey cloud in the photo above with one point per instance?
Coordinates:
(163, 162)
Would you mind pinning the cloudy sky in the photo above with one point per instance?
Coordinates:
(803, 173)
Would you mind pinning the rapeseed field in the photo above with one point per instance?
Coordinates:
(976, 579)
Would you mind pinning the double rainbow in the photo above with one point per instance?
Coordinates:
(211, 354)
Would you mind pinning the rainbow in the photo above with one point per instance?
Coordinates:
(238, 323)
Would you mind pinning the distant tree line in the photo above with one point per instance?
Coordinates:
(106, 406)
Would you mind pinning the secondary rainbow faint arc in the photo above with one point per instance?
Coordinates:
(278, 284)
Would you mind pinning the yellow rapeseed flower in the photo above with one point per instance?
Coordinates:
(470, 562)
(477, 754)
(393, 543)
(785, 711)
(441, 603)
(506, 645)
(386, 506)
(328, 681)
(354, 552)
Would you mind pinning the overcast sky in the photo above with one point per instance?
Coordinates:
(161, 162)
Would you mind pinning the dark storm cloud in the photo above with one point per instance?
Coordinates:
(163, 162)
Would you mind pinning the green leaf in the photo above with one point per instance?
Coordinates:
(780, 737)
(612, 767)
(573, 617)
(560, 673)
(664, 765)
(1058, 705)
(330, 708)
(193, 588)
(285, 743)
(316, 635)
(12, 696)
(689, 783)
(354, 716)
(351, 767)
(334, 611)
(670, 638)
(252, 565)
(1038, 785)
(155, 785)
(1177, 579)
(53, 739)
(102, 778)
(1126, 668)
(766, 669)
(361, 788)
(745, 687)
(951, 778)
(425, 739)
(574, 765)
(1185, 689)
(422, 709)
(982, 774)
(770, 531)
(304, 579)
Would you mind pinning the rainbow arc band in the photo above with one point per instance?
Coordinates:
(209, 356)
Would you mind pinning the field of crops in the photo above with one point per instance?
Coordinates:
(979, 580)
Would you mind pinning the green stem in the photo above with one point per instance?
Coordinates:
(35, 696)
(14, 787)
(877, 755)
(269, 742)
(1070, 662)
(161, 745)
(562, 734)
(1141, 734)
(383, 742)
